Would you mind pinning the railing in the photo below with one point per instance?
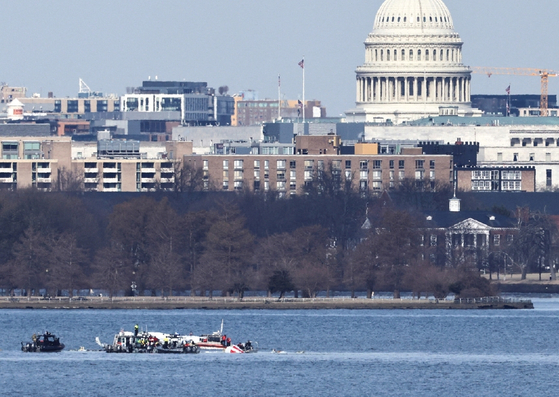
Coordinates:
(490, 299)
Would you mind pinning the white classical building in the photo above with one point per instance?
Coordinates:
(413, 66)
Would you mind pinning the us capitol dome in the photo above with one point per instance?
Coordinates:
(413, 66)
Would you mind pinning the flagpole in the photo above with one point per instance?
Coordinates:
(279, 97)
(303, 90)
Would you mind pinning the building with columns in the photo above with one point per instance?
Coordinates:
(413, 66)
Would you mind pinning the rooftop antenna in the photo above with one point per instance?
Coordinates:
(84, 88)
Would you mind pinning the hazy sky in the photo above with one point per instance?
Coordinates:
(245, 44)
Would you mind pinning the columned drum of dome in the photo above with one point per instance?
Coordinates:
(413, 65)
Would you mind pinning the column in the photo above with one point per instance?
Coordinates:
(377, 89)
(452, 89)
(463, 89)
(415, 98)
(407, 89)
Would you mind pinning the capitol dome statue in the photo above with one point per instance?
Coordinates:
(413, 66)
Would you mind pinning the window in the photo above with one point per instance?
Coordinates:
(256, 164)
(308, 175)
(309, 164)
(419, 175)
(511, 186)
(225, 164)
(419, 164)
(401, 175)
(238, 185)
(377, 186)
(238, 175)
(292, 164)
(377, 175)
(281, 185)
(225, 185)
(548, 178)
(391, 164)
(401, 164)
(391, 175)
(292, 175)
(512, 175)
(281, 164)
(206, 165)
(433, 240)
(432, 164)
(280, 175)
(515, 157)
(532, 156)
(363, 165)
(363, 175)
(348, 164)
(377, 164)
(256, 175)
(496, 240)
(238, 164)
(432, 175)
(266, 164)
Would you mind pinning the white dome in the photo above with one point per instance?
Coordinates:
(410, 15)
(413, 65)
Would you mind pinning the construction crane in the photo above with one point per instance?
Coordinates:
(544, 74)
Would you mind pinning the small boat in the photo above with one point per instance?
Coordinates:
(43, 343)
(218, 342)
(184, 349)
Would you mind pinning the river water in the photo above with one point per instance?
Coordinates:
(327, 353)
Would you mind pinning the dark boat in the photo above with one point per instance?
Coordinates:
(185, 349)
(44, 343)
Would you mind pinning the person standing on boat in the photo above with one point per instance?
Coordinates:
(224, 340)
(136, 328)
(228, 341)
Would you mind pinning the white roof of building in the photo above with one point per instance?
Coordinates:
(16, 102)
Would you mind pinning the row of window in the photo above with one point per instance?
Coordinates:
(381, 55)
(405, 19)
(494, 174)
(336, 164)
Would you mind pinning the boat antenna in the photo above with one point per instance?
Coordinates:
(221, 327)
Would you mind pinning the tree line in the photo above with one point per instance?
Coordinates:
(200, 242)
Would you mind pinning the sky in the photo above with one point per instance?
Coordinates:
(246, 44)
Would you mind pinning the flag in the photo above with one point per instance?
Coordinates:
(302, 64)
(508, 90)
(279, 80)
(299, 103)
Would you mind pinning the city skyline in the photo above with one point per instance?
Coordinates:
(246, 44)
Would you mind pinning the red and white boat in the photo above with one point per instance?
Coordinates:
(219, 342)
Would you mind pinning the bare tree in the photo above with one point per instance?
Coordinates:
(188, 178)
(69, 181)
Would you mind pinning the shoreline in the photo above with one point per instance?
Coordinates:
(189, 303)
